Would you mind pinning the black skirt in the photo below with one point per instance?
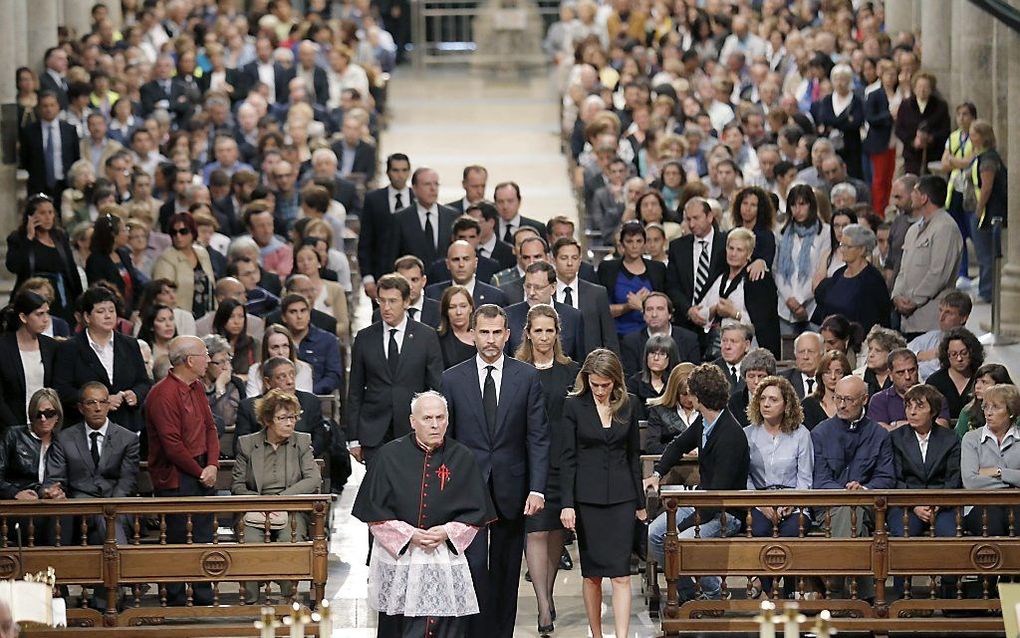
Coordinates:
(549, 518)
(605, 534)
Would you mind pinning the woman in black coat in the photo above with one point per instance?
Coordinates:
(922, 124)
(845, 124)
(110, 260)
(28, 355)
(39, 248)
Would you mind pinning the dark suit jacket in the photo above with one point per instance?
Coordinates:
(940, 470)
(228, 217)
(320, 320)
(410, 238)
(179, 99)
(283, 76)
(609, 270)
(483, 293)
(234, 78)
(680, 272)
(457, 205)
(12, 377)
(632, 348)
(599, 329)
(77, 364)
(310, 422)
(376, 233)
(320, 84)
(101, 267)
(513, 289)
(33, 156)
(429, 314)
(880, 122)
(571, 329)
(723, 461)
(364, 158)
(379, 402)
(70, 463)
(47, 83)
(600, 466)
(503, 253)
(796, 380)
(760, 299)
(515, 461)
(439, 271)
(735, 382)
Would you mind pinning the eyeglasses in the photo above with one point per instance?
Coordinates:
(46, 415)
(959, 354)
(180, 231)
(287, 418)
(845, 399)
(222, 362)
(282, 174)
(91, 403)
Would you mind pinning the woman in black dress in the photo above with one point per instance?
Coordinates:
(661, 356)
(39, 248)
(601, 472)
(541, 347)
(960, 355)
(821, 404)
(455, 338)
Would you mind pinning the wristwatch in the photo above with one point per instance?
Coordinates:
(998, 472)
(656, 475)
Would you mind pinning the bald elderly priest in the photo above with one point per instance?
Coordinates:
(424, 500)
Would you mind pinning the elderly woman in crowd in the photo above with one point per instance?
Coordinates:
(286, 467)
(926, 456)
(840, 116)
(660, 357)
(990, 459)
(802, 243)
(187, 265)
(277, 342)
(782, 458)
(755, 366)
(960, 356)
(734, 298)
(922, 124)
(223, 390)
(972, 416)
(672, 412)
(857, 290)
(821, 403)
(875, 372)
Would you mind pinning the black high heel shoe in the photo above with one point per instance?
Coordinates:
(546, 630)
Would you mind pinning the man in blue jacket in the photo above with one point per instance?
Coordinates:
(315, 346)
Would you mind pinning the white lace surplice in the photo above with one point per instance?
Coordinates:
(420, 583)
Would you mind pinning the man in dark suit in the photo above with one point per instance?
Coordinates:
(507, 197)
(313, 74)
(808, 348)
(465, 228)
(301, 285)
(530, 249)
(658, 313)
(475, 178)
(423, 228)
(354, 154)
(723, 462)
(462, 262)
(377, 223)
(98, 353)
(423, 309)
(497, 410)
(695, 260)
(279, 373)
(325, 173)
(734, 343)
(591, 299)
(539, 286)
(166, 92)
(53, 77)
(48, 148)
(489, 245)
(391, 361)
(267, 71)
(562, 227)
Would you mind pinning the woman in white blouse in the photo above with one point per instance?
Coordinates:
(802, 243)
(277, 342)
(28, 355)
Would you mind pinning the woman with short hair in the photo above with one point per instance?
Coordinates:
(857, 290)
(875, 372)
(187, 264)
(990, 459)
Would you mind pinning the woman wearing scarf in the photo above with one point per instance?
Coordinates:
(802, 242)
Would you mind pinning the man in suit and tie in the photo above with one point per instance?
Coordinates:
(354, 154)
(507, 197)
(695, 260)
(562, 227)
(462, 263)
(48, 148)
(94, 459)
(807, 348)
(265, 70)
(657, 310)
(734, 342)
(166, 92)
(489, 245)
(497, 410)
(279, 373)
(591, 299)
(539, 286)
(423, 228)
(377, 223)
(391, 361)
(54, 77)
(530, 249)
(422, 308)
(475, 178)
(465, 228)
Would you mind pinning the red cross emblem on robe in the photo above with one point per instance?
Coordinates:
(443, 473)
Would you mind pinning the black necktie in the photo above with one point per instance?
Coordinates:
(400, 202)
(733, 371)
(489, 399)
(568, 296)
(428, 229)
(810, 386)
(411, 312)
(94, 447)
(508, 235)
(393, 355)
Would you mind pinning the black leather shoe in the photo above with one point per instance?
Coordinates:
(545, 630)
(565, 562)
(527, 576)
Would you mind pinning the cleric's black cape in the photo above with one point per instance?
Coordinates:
(405, 482)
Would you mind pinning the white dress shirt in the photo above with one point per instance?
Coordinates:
(497, 373)
(561, 292)
(100, 440)
(470, 286)
(433, 213)
(267, 76)
(43, 447)
(401, 331)
(922, 442)
(405, 198)
(514, 224)
(487, 248)
(105, 354)
(52, 128)
(708, 239)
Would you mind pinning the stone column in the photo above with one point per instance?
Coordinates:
(78, 15)
(10, 41)
(42, 30)
(973, 70)
(1000, 87)
(936, 51)
(1010, 297)
(19, 18)
(116, 13)
(899, 16)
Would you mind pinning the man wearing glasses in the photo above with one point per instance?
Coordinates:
(184, 449)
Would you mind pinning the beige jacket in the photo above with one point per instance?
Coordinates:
(174, 265)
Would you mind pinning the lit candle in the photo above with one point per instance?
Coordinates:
(766, 620)
(267, 624)
(792, 620)
(823, 626)
(296, 621)
(325, 622)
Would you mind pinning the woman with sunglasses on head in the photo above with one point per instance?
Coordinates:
(29, 354)
(187, 264)
(110, 258)
(40, 248)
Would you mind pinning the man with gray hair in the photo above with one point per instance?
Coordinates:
(757, 364)
(184, 450)
(807, 349)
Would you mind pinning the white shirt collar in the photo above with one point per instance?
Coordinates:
(418, 305)
(470, 286)
(401, 327)
(497, 364)
(95, 346)
(560, 284)
(489, 246)
(102, 431)
(1013, 432)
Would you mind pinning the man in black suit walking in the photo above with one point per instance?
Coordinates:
(489, 245)
(391, 361)
(539, 286)
(462, 264)
(508, 203)
(377, 223)
(423, 228)
(48, 148)
(475, 178)
(498, 411)
(658, 313)
(695, 260)
(591, 299)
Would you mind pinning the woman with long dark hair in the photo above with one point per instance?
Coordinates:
(455, 337)
(158, 329)
(960, 356)
(231, 323)
(660, 357)
(27, 352)
(972, 416)
(110, 258)
(40, 248)
(752, 209)
(277, 342)
(802, 243)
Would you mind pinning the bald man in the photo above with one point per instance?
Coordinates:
(230, 288)
(462, 262)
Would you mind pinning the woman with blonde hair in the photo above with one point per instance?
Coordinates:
(600, 501)
(541, 347)
(672, 412)
(988, 174)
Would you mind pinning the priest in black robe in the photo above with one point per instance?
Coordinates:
(424, 500)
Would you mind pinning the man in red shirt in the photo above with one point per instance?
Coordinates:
(184, 449)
